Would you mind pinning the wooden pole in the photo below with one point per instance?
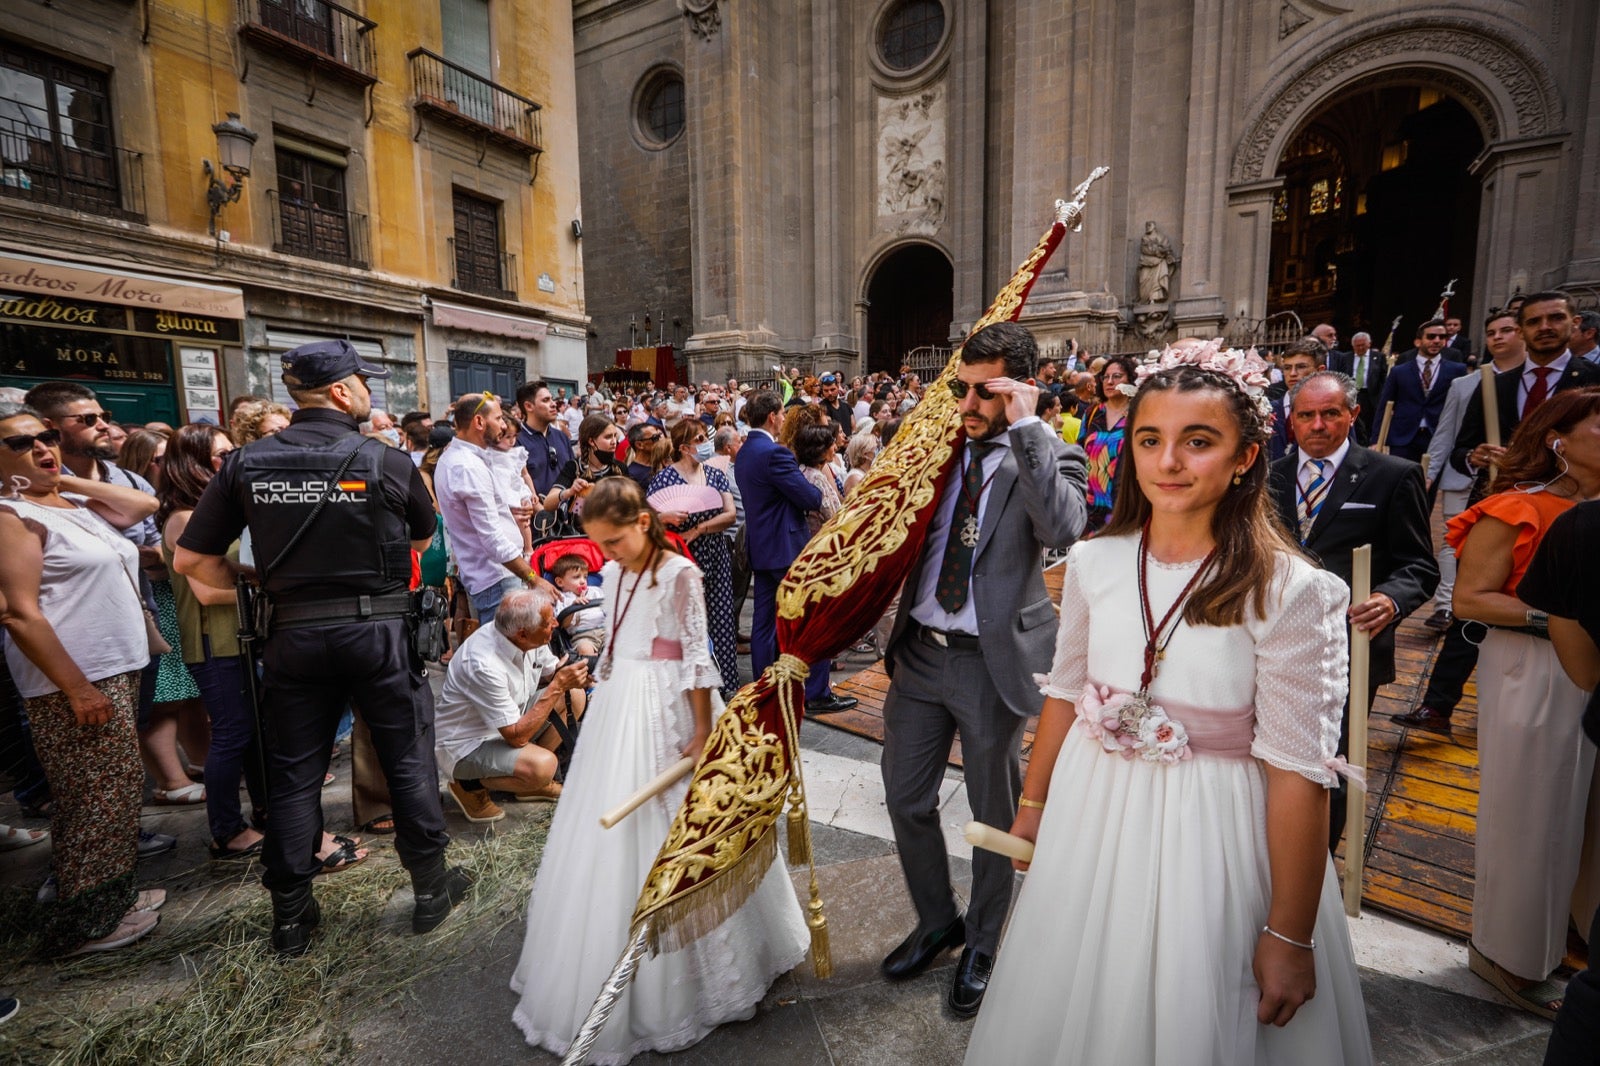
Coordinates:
(665, 780)
(1491, 411)
(989, 838)
(1382, 444)
(1355, 858)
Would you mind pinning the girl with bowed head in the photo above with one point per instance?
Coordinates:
(1181, 905)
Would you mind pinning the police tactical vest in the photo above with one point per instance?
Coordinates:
(357, 542)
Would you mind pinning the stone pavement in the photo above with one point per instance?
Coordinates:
(1423, 1006)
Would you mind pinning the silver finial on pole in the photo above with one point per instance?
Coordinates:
(1070, 212)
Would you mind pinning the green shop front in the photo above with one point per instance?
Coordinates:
(150, 346)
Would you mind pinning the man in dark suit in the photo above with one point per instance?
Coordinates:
(1370, 369)
(1417, 388)
(974, 625)
(1547, 320)
(1334, 496)
(1455, 339)
(776, 498)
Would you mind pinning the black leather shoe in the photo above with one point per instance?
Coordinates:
(436, 895)
(830, 704)
(1439, 620)
(917, 951)
(1425, 717)
(971, 982)
(294, 916)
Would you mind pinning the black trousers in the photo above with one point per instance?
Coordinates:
(1337, 796)
(1458, 657)
(1575, 1040)
(310, 675)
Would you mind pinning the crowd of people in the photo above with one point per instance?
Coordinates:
(590, 557)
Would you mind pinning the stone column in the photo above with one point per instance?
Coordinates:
(1248, 237)
(1517, 223)
(1197, 307)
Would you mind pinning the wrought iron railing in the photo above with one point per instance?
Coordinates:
(305, 229)
(102, 180)
(314, 29)
(454, 94)
(487, 273)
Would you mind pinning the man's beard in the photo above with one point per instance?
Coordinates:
(993, 427)
(99, 450)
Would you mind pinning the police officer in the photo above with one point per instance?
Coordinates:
(333, 517)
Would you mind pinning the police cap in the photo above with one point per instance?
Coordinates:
(324, 362)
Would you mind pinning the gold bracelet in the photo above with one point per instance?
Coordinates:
(1026, 802)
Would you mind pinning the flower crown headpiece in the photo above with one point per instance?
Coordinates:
(1242, 366)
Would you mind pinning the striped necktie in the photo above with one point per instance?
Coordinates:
(1312, 496)
(1427, 374)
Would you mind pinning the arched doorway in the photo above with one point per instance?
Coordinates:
(910, 302)
(1377, 212)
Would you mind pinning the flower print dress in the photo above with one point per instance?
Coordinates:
(1102, 445)
(1133, 937)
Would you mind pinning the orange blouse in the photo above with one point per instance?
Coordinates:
(1530, 513)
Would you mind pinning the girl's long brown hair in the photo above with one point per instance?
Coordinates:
(139, 452)
(1528, 457)
(186, 470)
(619, 501)
(1247, 533)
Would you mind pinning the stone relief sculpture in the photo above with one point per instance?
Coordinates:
(1156, 260)
(911, 169)
(704, 18)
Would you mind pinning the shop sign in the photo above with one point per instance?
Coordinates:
(50, 311)
(48, 277)
(175, 324)
(60, 353)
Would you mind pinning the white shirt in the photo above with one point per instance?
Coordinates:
(925, 608)
(488, 685)
(862, 410)
(483, 535)
(1308, 471)
(1529, 379)
(573, 417)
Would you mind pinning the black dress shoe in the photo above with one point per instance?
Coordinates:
(918, 950)
(1439, 620)
(1425, 717)
(294, 915)
(971, 982)
(830, 704)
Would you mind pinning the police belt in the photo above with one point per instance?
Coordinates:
(345, 609)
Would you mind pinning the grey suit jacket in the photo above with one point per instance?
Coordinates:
(1036, 501)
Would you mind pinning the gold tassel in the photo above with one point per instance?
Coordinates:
(821, 954)
(799, 834)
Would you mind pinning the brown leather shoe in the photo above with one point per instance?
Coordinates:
(478, 806)
(1424, 717)
(548, 794)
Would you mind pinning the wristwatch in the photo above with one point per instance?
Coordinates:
(1538, 621)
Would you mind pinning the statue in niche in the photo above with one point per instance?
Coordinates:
(1156, 262)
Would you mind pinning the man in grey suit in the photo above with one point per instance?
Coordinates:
(975, 624)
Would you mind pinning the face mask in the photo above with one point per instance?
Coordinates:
(704, 450)
(390, 435)
(606, 457)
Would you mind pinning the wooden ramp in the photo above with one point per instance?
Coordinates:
(1422, 802)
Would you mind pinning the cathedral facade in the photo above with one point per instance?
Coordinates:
(842, 182)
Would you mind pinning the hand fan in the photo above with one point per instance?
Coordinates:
(686, 498)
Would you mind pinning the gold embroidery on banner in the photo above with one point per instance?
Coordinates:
(874, 523)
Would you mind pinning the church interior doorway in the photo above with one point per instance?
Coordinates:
(910, 302)
(1377, 212)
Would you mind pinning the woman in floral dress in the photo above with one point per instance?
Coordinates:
(1102, 436)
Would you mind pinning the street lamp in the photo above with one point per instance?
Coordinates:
(234, 142)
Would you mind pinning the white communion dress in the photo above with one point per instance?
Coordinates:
(589, 878)
(1134, 933)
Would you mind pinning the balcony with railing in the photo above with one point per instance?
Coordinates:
(306, 229)
(456, 96)
(333, 39)
(481, 270)
(63, 170)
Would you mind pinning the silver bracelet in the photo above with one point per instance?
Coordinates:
(1310, 945)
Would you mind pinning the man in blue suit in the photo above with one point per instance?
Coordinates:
(776, 498)
(1418, 388)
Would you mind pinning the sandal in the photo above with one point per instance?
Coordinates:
(180, 797)
(134, 925)
(342, 858)
(382, 825)
(151, 900)
(12, 837)
(1542, 997)
(223, 853)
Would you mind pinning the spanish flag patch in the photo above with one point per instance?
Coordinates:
(352, 486)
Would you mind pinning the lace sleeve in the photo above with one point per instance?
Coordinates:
(1069, 669)
(1302, 675)
(688, 602)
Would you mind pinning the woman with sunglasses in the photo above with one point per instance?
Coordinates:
(78, 643)
(1101, 436)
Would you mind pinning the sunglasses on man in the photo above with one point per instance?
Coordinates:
(91, 418)
(958, 389)
(24, 442)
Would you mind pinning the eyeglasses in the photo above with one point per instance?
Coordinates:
(958, 389)
(23, 442)
(90, 419)
(650, 439)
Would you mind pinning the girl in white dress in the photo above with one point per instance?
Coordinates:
(655, 702)
(1181, 907)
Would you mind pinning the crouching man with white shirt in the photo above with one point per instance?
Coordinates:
(492, 720)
